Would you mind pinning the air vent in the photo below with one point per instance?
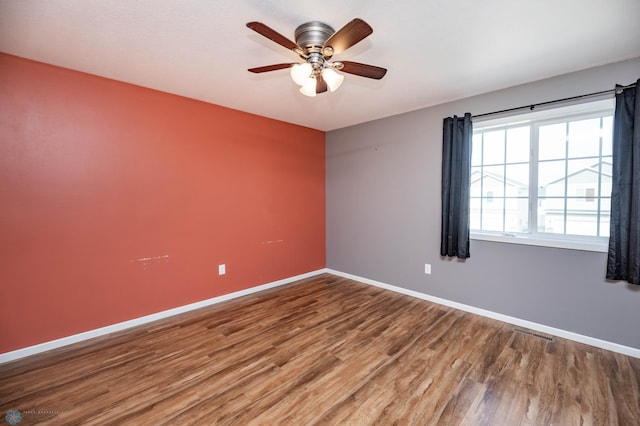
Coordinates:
(534, 334)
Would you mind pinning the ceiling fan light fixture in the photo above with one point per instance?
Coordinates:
(333, 79)
(316, 43)
(309, 87)
(300, 73)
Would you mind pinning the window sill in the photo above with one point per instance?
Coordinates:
(564, 243)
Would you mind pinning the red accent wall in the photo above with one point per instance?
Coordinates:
(118, 201)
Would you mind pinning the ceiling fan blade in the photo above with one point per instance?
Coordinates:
(321, 85)
(363, 70)
(267, 68)
(348, 35)
(272, 35)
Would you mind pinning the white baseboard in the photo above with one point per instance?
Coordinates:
(603, 344)
(54, 344)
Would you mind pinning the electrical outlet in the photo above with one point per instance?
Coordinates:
(427, 268)
(222, 269)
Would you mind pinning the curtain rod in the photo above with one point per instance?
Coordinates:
(617, 90)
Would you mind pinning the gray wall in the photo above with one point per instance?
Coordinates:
(383, 221)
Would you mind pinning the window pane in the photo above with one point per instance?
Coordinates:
(551, 215)
(584, 138)
(493, 147)
(552, 141)
(607, 135)
(607, 165)
(517, 184)
(493, 181)
(586, 166)
(516, 214)
(476, 149)
(492, 214)
(474, 213)
(518, 145)
(582, 225)
(605, 215)
(581, 205)
(582, 217)
(476, 181)
(582, 176)
(551, 178)
(605, 179)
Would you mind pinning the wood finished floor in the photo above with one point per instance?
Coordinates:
(326, 350)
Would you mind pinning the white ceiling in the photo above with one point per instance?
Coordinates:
(435, 50)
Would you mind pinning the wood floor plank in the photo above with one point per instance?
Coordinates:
(325, 350)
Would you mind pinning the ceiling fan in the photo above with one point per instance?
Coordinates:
(316, 43)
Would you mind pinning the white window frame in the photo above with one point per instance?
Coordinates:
(538, 118)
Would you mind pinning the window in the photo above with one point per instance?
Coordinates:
(544, 177)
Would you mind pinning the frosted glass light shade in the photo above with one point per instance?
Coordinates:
(300, 73)
(333, 79)
(309, 87)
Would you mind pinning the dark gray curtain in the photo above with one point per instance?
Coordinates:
(456, 169)
(623, 262)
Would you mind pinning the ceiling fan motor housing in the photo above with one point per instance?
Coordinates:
(311, 36)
